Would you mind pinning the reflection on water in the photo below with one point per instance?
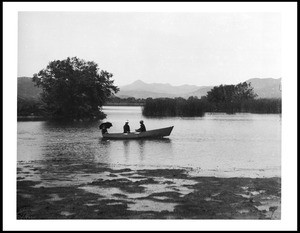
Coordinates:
(126, 150)
(142, 149)
(215, 142)
(134, 151)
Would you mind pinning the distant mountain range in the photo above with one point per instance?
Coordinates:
(27, 89)
(264, 88)
(267, 87)
(140, 89)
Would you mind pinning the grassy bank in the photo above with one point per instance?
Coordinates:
(197, 107)
(174, 107)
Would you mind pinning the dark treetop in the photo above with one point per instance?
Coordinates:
(74, 88)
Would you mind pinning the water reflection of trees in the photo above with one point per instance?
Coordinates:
(66, 125)
(64, 160)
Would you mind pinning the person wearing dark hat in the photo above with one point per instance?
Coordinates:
(126, 127)
(142, 127)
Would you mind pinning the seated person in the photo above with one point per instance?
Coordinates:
(142, 127)
(126, 128)
(104, 130)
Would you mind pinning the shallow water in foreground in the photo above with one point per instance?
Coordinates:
(96, 191)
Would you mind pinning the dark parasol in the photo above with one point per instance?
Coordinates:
(106, 124)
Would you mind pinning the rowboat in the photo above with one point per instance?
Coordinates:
(156, 133)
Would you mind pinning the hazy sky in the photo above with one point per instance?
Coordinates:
(176, 48)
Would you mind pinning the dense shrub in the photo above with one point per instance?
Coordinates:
(30, 107)
(197, 107)
(261, 106)
(174, 107)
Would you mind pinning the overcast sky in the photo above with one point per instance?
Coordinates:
(177, 48)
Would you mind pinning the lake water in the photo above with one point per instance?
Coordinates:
(216, 144)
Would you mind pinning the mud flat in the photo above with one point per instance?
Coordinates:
(97, 191)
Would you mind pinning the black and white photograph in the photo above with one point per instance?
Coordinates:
(150, 111)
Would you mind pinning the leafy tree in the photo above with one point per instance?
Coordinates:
(243, 91)
(230, 93)
(229, 98)
(74, 88)
(222, 93)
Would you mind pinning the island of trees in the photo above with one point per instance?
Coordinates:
(76, 89)
(71, 89)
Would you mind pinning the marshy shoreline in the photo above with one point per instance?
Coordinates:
(97, 191)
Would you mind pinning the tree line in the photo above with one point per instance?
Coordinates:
(129, 101)
(174, 107)
(224, 98)
(30, 107)
(194, 106)
(77, 89)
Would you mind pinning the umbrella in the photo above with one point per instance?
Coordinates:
(106, 124)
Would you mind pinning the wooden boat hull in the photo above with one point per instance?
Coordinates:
(156, 133)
